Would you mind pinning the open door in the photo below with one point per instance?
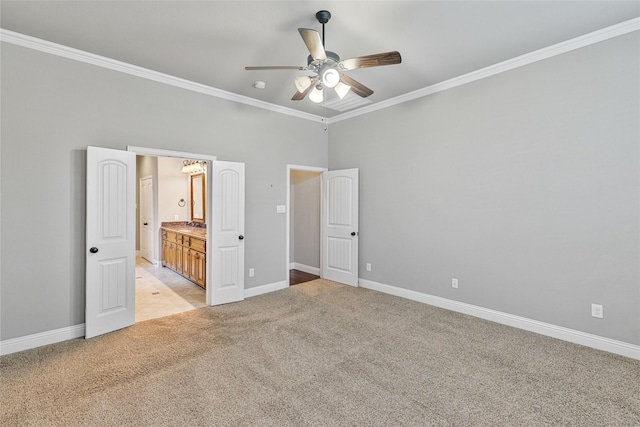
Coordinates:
(146, 225)
(340, 226)
(110, 256)
(226, 251)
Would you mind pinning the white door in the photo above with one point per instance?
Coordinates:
(111, 228)
(226, 252)
(340, 226)
(146, 218)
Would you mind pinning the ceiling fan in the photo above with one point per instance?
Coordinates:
(329, 68)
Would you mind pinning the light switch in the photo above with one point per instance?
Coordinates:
(281, 209)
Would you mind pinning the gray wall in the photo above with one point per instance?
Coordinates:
(172, 185)
(305, 190)
(524, 186)
(53, 108)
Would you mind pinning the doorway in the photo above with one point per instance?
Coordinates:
(338, 196)
(111, 235)
(304, 192)
(165, 194)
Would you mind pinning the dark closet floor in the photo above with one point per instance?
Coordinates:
(297, 276)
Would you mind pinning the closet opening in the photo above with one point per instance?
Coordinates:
(303, 223)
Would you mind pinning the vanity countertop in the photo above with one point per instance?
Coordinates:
(184, 228)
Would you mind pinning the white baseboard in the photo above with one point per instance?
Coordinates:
(263, 289)
(305, 268)
(594, 341)
(43, 338)
(63, 334)
(559, 332)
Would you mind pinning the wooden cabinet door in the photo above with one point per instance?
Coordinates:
(186, 262)
(178, 258)
(198, 268)
(171, 255)
(186, 256)
(164, 255)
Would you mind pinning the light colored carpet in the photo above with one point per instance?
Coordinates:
(319, 354)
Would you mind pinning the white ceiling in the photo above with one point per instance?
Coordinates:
(210, 42)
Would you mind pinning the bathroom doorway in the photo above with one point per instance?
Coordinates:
(163, 194)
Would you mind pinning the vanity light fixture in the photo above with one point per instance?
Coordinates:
(193, 166)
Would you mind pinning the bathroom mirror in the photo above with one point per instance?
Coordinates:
(197, 198)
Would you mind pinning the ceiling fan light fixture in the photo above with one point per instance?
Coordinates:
(330, 77)
(342, 89)
(302, 83)
(316, 95)
(327, 67)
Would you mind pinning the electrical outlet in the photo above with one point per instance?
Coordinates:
(252, 272)
(454, 282)
(176, 217)
(597, 311)
(368, 267)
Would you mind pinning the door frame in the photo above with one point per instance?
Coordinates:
(288, 209)
(158, 152)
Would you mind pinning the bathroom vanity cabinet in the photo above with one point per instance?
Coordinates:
(184, 251)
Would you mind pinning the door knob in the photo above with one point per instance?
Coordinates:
(93, 250)
(241, 237)
(146, 223)
(353, 233)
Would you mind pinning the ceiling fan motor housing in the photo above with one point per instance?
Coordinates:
(332, 59)
(320, 66)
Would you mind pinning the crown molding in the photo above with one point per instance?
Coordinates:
(510, 64)
(145, 73)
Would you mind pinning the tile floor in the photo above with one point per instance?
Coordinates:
(161, 292)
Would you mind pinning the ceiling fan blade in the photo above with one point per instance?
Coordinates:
(276, 67)
(300, 95)
(357, 87)
(376, 60)
(314, 43)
